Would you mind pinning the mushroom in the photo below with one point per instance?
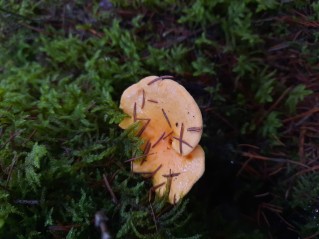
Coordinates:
(171, 126)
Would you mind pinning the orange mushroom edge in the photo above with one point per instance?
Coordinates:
(171, 127)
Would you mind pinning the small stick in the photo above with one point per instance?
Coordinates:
(147, 147)
(171, 175)
(168, 135)
(181, 138)
(11, 138)
(154, 188)
(194, 129)
(143, 118)
(143, 128)
(160, 78)
(165, 115)
(138, 157)
(169, 181)
(153, 215)
(183, 141)
(108, 186)
(143, 99)
(146, 150)
(14, 160)
(161, 137)
(153, 101)
(30, 136)
(151, 174)
(134, 112)
(156, 170)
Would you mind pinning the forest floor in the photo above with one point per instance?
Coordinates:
(251, 65)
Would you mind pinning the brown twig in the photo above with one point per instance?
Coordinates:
(283, 95)
(307, 113)
(285, 221)
(171, 175)
(249, 145)
(312, 236)
(154, 188)
(138, 157)
(146, 150)
(11, 138)
(134, 112)
(183, 141)
(143, 128)
(166, 117)
(147, 147)
(243, 166)
(194, 129)
(108, 186)
(278, 160)
(143, 99)
(153, 101)
(11, 169)
(151, 174)
(30, 136)
(168, 135)
(154, 217)
(160, 78)
(159, 139)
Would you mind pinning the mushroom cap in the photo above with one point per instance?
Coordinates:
(171, 125)
(182, 172)
(173, 99)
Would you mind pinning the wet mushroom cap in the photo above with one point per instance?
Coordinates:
(171, 126)
(183, 171)
(169, 106)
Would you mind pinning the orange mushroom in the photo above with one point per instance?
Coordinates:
(171, 125)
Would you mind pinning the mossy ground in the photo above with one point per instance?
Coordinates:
(251, 65)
